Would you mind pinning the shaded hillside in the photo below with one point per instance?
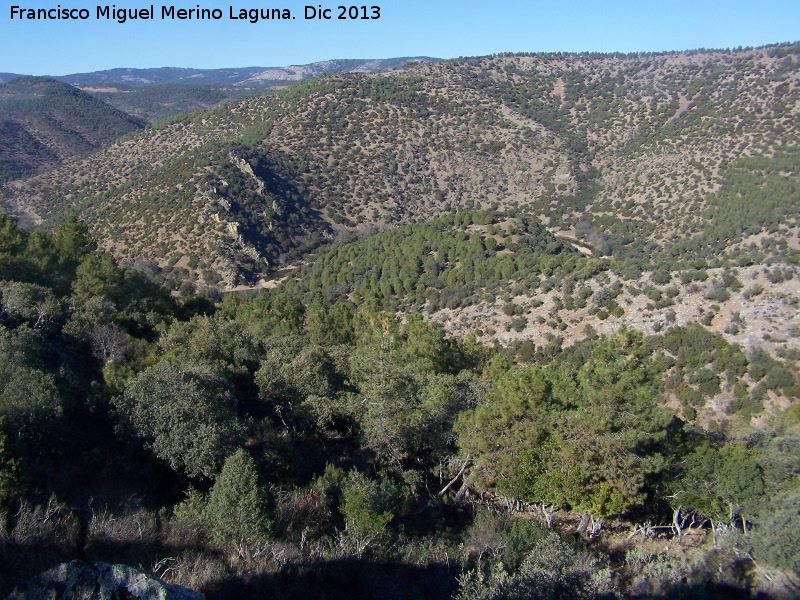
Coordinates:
(21, 152)
(154, 102)
(229, 209)
(649, 159)
(45, 122)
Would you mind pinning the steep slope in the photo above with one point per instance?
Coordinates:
(504, 278)
(648, 159)
(154, 102)
(21, 152)
(45, 122)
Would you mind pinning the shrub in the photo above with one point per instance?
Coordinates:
(654, 574)
(522, 536)
(778, 377)
(660, 277)
(519, 323)
(553, 569)
(238, 504)
(690, 397)
(45, 526)
(718, 295)
(755, 290)
(707, 380)
(186, 526)
(775, 540)
(186, 415)
(363, 510)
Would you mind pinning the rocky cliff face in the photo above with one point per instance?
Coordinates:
(99, 581)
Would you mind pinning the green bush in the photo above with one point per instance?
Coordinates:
(238, 504)
(775, 540)
(690, 397)
(363, 507)
(186, 415)
(718, 295)
(553, 570)
(520, 539)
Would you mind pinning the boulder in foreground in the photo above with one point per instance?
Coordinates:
(100, 581)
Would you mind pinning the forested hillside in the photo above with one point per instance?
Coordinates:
(501, 327)
(155, 102)
(44, 122)
(287, 445)
(598, 147)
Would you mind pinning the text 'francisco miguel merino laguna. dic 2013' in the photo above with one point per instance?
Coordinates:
(253, 15)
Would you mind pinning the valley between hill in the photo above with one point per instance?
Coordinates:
(495, 327)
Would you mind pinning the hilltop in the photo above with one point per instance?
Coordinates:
(44, 121)
(159, 101)
(639, 156)
(244, 76)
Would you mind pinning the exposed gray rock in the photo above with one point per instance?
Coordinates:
(100, 581)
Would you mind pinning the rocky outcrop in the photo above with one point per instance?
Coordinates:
(100, 581)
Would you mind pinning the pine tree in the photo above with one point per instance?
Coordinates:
(238, 504)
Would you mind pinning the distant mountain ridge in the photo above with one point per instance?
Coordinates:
(246, 76)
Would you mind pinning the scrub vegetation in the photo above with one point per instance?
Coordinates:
(519, 326)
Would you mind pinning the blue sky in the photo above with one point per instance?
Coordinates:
(444, 29)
